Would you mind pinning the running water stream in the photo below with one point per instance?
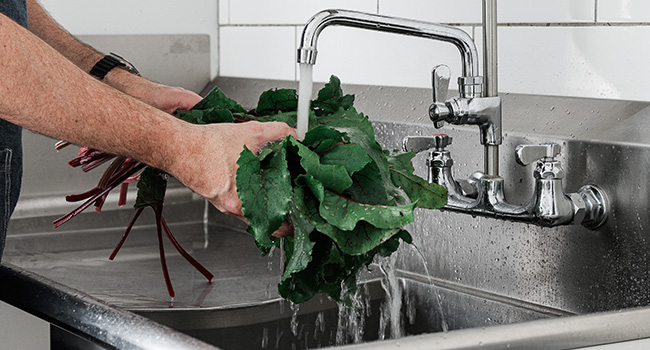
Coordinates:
(305, 89)
(443, 318)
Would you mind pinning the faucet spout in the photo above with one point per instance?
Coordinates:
(307, 50)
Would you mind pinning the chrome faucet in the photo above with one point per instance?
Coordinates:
(483, 194)
(468, 108)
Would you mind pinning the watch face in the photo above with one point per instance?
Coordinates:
(122, 62)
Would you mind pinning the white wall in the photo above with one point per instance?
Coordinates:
(589, 48)
(95, 17)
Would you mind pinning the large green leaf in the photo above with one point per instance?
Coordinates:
(430, 196)
(301, 246)
(369, 188)
(217, 99)
(332, 176)
(320, 138)
(330, 98)
(362, 238)
(264, 187)
(207, 116)
(345, 213)
(351, 156)
(276, 100)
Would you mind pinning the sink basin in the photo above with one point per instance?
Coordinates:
(464, 283)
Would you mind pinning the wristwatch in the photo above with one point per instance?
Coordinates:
(110, 61)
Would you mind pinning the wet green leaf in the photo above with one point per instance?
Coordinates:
(207, 116)
(332, 176)
(264, 187)
(217, 99)
(275, 101)
(345, 213)
(330, 98)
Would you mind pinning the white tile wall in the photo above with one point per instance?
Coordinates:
(258, 52)
(547, 11)
(285, 11)
(439, 11)
(582, 48)
(623, 10)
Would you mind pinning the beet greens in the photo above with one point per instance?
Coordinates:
(345, 196)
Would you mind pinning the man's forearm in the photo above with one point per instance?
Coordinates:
(43, 26)
(42, 91)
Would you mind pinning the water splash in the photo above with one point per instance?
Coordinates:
(294, 318)
(436, 291)
(391, 315)
(352, 318)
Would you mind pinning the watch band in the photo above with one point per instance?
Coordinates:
(108, 62)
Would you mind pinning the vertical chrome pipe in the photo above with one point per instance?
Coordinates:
(490, 78)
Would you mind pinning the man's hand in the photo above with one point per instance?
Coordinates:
(209, 166)
(170, 99)
(165, 98)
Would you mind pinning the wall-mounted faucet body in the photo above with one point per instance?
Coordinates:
(483, 194)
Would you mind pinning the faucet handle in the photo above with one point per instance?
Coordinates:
(418, 144)
(440, 76)
(526, 154)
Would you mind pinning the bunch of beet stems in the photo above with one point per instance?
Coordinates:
(121, 172)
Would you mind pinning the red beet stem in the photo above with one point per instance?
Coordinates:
(96, 162)
(124, 188)
(208, 275)
(126, 233)
(118, 180)
(161, 248)
(61, 144)
(111, 171)
(82, 196)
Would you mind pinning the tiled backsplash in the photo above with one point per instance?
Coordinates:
(588, 48)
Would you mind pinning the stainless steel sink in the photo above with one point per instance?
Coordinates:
(493, 283)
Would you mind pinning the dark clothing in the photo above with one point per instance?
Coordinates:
(16, 10)
(11, 150)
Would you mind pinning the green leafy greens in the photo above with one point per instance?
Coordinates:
(346, 197)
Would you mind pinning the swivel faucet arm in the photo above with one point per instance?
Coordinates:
(469, 55)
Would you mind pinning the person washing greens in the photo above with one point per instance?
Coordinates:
(46, 87)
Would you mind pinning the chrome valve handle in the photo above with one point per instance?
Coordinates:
(438, 111)
(527, 154)
(440, 76)
(418, 144)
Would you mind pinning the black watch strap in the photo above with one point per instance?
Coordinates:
(110, 61)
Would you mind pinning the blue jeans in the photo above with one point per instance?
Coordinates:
(11, 171)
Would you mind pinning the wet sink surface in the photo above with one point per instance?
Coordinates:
(134, 279)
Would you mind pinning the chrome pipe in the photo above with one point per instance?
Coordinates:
(490, 79)
(307, 50)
